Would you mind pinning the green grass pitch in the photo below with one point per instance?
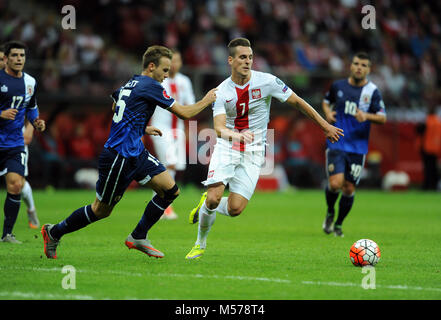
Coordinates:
(276, 250)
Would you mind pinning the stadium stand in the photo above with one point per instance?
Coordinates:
(307, 44)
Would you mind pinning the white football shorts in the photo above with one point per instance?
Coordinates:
(240, 170)
(170, 149)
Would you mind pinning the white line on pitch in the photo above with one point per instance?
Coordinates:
(246, 278)
(350, 284)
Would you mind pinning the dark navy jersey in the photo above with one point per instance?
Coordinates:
(345, 98)
(135, 103)
(18, 93)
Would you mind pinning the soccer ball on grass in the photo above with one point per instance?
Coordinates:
(364, 252)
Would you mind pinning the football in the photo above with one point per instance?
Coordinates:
(364, 252)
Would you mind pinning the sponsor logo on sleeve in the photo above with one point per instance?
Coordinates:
(164, 93)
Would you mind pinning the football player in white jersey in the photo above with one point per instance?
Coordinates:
(170, 148)
(26, 192)
(240, 116)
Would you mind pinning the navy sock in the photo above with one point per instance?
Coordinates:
(154, 210)
(344, 207)
(77, 220)
(331, 198)
(11, 209)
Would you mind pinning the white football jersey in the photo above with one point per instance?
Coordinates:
(181, 90)
(248, 106)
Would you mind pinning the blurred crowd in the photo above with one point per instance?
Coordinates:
(306, 43)
(305, 37)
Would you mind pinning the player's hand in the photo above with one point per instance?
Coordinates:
(39, 124)
(360, 116)
(334, 133)
(152, 131)
(9, 114)
(246, 136)
(331, 116)
(210, 97)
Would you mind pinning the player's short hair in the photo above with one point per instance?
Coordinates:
(154, 54)
(2, 48)
(175, 50)
(8, 46)
(243, 42)
(363, 56)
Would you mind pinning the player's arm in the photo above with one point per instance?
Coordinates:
(189, 111)
(28, 132)
(328, 112)
(332, 133)
(231, 135)
(377, 112)
(8, 114)
(153, 131)
(372, 117)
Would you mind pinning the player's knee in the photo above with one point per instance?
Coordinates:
(171, 194)
(15, 186)
(213, 201)
(335, 185)
(235, 210)
(348, 190)
(101, 210)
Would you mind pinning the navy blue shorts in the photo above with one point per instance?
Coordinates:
(351, 164)
(115, 173)
(13, 160)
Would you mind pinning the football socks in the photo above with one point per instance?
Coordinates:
(154, 210)
(344, 207)
(331, 198)
(222, 208)
(77, 220)
(26, 193)
(206, 220)
(11, 209)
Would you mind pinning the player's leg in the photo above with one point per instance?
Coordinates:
(355, 163)
(344, 206)
(114, 175)
(335, 167)
(206, 216)
(14, 184)
(166, 192)
(152, 173)
(233, 205)
(165, 148)
(77, 220)
(169, 212)
(28, 199)
(12, 161)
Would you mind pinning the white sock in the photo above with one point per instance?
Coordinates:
(222, 208)
(206, 220)
(27, 196)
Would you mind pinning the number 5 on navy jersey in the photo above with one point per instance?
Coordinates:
(121, 105)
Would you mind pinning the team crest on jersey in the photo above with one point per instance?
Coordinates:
(164, 93)
(4, 88)
(210, 174)
(366, 98)
(255, 93)
(30, 90)
(331, 167)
